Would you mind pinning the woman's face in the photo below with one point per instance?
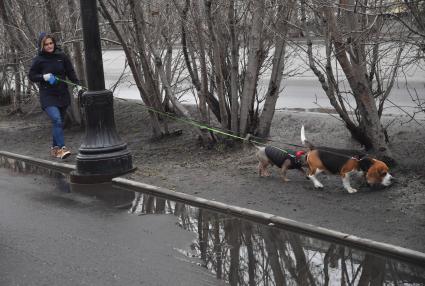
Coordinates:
(48, 45)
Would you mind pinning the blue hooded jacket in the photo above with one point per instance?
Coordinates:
(60, 66)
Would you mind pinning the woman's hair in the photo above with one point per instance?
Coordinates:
(44, 38)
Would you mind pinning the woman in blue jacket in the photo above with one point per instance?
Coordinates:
(47, 69)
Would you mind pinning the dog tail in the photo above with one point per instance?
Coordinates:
(247, 139)
(304, 140)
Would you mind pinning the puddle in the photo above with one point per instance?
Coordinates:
(243, 252)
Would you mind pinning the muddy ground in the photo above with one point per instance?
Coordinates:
(393, 215)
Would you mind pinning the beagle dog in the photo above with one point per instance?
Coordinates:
(345, 163)
(283, 159)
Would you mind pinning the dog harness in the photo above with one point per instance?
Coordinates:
(278, 157)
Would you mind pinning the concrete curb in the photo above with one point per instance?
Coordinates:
(379, 248)
(271, 220)
(56, 166)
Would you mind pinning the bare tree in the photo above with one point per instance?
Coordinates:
(143, 87)
(231, 53)
(78, 60)
(217, 61)
(255, 57)
(15, 51)
(351, 32)
(411, 14)
(23, 20)
(53, 19)
(284, 15)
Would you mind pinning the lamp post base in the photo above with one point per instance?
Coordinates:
(76, 178)
(102, 155)
(98, 168)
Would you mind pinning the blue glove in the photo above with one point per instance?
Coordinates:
(50, 78)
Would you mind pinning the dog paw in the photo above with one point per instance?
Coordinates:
(352, 191)
(286, 180)
(318, 186)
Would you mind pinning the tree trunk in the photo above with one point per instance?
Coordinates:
(234, 71)
(77, 56)
(142, 43)
(233, 239)
(155, 126)
(218, 251)
(18, 84)
(355, 72)
(8, 23)
(253, 66)
(76, 46)
(166, 85)
(53, 21)
(148, 74)
(328, 81)
(200, 82)
(27, 22)
(202, 235)
(203, 92)
(373, 273)
(247, 232)
(217, 63)
(273, 255)
(304, 275)
(272, 95)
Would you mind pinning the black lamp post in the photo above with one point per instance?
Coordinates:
(102, 154)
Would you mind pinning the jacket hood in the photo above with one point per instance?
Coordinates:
(41, 38)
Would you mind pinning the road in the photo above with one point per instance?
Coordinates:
(301, 91)
(50, 236)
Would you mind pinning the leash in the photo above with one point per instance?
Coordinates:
(195, 123)
(70, 82)
(213, 129)
(209, 128)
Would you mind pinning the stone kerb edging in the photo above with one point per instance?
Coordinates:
(379, 248)
(55, 166)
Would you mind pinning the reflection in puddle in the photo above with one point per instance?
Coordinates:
(23, 167)
(247, 253)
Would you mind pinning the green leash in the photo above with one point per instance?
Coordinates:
(203, 126)
(71, 83)
(188, 121)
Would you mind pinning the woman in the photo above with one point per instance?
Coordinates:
(48, 69)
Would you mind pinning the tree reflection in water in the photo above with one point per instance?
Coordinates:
(245, 253)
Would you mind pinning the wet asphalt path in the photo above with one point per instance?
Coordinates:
(50, 237)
